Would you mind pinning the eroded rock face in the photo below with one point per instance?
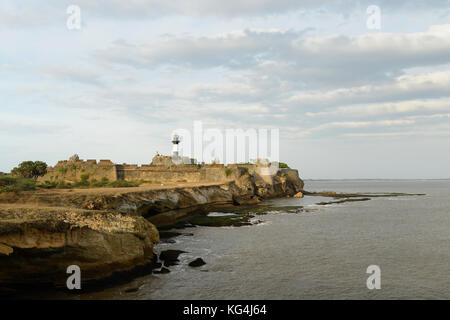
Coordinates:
(37, 245)
(43, 232)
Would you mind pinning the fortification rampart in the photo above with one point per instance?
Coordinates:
(159, 171)
(72, 171)
(90, 170)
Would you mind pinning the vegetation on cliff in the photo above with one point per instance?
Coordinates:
(9, 183)
(283, 165)
(30, 169)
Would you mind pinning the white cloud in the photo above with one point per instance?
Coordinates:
(311, 61)
(406, 87)
(386, 109)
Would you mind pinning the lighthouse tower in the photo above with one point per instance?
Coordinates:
(175, 141)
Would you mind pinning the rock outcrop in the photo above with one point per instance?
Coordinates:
(197, 263)
(104, 231)
(38, 244)
(299, 195)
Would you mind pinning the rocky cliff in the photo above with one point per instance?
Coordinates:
(105, 231)
(37, 244)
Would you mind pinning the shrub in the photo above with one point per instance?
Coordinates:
(63, 170)
(81, 184)
(99, 184)
(124, 184)
(104, 182)
(48, 184)
(84, 178)
(10, 183)
(30, 169)
(228, 171)
(283, 165)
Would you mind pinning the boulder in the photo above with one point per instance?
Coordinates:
(298, 195)
(162, 271)
(197, 263)
(39, 244)
(170, 257)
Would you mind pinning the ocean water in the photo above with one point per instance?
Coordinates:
(322, 254)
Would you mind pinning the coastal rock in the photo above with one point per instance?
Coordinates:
(298, 195)
(170, 257)
(166, 206)
(38, 244)
(109, 230)
(197, 263)
(162, 271)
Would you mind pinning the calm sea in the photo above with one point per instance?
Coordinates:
(322, 254)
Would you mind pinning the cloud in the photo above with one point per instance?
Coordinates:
(310, 61)
(386, 109)
(83, 75)
(144, 9)
(356, 125)
(406, 87)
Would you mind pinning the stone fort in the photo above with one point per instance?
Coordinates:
(168, 169)
(161, 169)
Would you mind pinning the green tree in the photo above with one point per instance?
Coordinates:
(30, 169)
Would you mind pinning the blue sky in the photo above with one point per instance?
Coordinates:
(350, 102)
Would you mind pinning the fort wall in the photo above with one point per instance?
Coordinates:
(72, 171)
(159, 171)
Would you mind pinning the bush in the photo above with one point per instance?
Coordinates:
(124, 184)
(283, 165)
(13, 184)
(30, 169)
(228, 171)
(48, 184)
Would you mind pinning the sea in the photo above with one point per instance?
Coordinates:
(324, 252)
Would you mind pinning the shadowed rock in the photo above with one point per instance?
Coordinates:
(162, 271)
(197, 263)
(170, 257)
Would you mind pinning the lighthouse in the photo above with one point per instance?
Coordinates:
(175, 141)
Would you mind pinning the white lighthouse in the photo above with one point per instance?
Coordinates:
(175, 141)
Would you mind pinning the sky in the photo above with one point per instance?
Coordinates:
(351, 100)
